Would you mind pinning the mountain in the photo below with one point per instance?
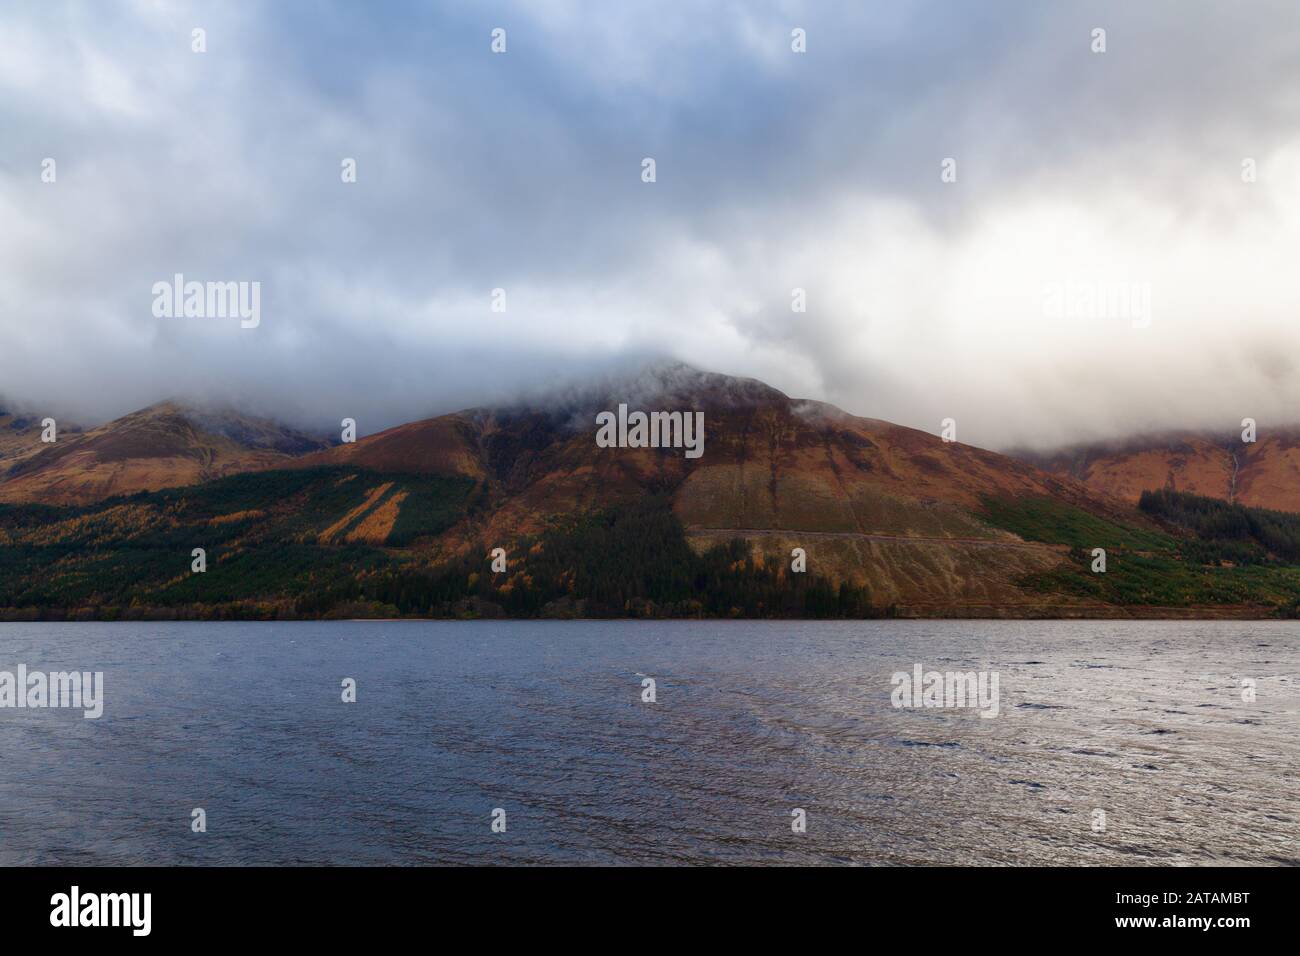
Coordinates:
(792, 508)
(20, 436)
(162, 446)
(874, 504)
(1260, 474)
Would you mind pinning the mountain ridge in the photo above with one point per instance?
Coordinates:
(795, 507)
(167, 444)
(1262, 474)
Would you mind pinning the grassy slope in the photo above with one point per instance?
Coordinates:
(1182, 565)
(344, 540)
(261, 532)
(284, 543)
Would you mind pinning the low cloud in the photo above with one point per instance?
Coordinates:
(775, 171)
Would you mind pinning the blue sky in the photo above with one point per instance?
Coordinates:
(775, 171)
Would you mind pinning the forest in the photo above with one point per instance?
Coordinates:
(309, 543)
(631, 560)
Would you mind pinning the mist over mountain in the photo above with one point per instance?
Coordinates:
(795, 508)
(1261, 473)
(1117, 171)
(166, 445)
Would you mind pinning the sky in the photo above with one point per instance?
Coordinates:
(1116, 253)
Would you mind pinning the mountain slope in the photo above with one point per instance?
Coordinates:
(1260, 474)
(165, 445)
(870, 503)
(20, 436)
(884, 519)
(769, 461)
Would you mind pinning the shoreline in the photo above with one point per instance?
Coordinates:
(900, 613)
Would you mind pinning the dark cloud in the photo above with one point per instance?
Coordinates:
(775, 171)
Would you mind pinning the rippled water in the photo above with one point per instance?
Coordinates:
(1143, 720)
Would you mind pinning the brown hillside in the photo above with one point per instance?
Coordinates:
(162, 446)
(1262, 474)
(869, 501)
(20, 437)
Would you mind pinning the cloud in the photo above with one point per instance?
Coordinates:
(1089, 174)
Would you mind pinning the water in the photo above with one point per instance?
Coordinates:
(545, 720)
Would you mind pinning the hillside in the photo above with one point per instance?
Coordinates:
(20, 436)
(890, 521)
(1261, 474)
(162, 446)
(873, 504)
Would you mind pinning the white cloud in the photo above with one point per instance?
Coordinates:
(775, 171)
